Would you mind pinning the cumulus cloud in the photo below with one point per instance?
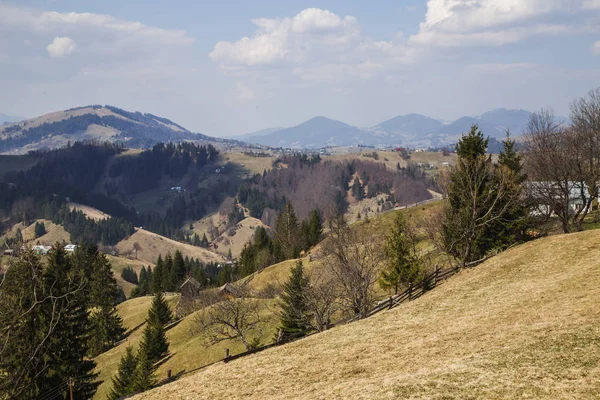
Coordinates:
(493, 22)
(61, 46)
(309, 37)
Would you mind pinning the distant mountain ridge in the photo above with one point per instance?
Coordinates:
(413, 130)
(6, 119)
(96, 122)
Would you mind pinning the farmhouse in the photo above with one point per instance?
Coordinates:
(548, 195)
(70, 248)
(190, 289)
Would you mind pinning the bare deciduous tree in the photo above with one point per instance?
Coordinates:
(355, 260)
(231, 319)
(321, 300)
(137, 247)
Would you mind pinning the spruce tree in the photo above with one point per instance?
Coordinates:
(143, 377)
(107, 325)
(123, 381)
(154, 340)
(315, 227)
(403, 261)
(22, 357)
(294, 316)
(159, 275)
(177, 274)
(68, 346)
(287, 235)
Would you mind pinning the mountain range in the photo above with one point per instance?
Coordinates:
(413, 130)
(96, 122)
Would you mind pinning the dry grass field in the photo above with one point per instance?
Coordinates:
(524, 324)
(187, 347)
(153, 245)
(54, 233)
(254, 165)
(118, 264)
(89, 212)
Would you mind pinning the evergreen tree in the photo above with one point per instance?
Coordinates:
(315, 227)
(19, 236)
(123, 381)
(177, 271)
(68, 347)
(143, 377)
(154, 340)
(40, 229)
(204, 243)
(294, 316)
(159, 275)
(403, 260)
(287, 232)
(357, 189)
(106, 324)
(22, 357)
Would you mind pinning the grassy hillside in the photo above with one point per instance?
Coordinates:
(153, 245)
(54, 233)
(186, 346)
(524, 324)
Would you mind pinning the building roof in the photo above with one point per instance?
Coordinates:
(191, 281)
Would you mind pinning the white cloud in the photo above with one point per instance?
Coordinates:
(313, 36)
(494, 22)
(591, 4)
(61, 46)
(596, 48)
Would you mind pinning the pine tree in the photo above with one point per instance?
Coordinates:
(68, 347)
(143, 377)
(315, 227)
(294, 316)
(287, 233)
(40, 229)
(123, 381)
(357, 189)
(403, 260)
(167, 282)
(177, 274)
(159, 275)
(155, 344)
(22, 357)
(107, 325)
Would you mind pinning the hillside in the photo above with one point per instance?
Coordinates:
(523, 324)
(152, 245)
(102, 123)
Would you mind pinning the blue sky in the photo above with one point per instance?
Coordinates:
(228, 67)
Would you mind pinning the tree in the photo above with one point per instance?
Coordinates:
(231, 319)
(553, 161)
(40, 229)
(136, 247)
(68, 347)
(123, 381)
(177, 273)
(294, 315)
(354, 259)
(154, 340)
(18, 236)
(315, 227)
(357, 189)
(24, 329)
(287, 234)
(105, 323)
(404, 262)
(143, 377)
(321, 300)
(159, 275)
(479, 197)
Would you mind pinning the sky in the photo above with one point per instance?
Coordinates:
(233, 67)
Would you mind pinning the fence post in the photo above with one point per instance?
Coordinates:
(437, 274)
(391, 303)
(410, 289)
(169, 374)
(226, 354)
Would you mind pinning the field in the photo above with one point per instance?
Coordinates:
(524, 324)
(392, 158)
(118, 264)
(54, 233)
(187, 347)
(90, 212)
(253, 165)
(153, 245)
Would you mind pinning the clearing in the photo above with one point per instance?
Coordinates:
(524, 324)
(152, 245)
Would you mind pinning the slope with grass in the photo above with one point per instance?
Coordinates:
(524, 324)
(152, 245)
(54, 233)
(187, 347)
